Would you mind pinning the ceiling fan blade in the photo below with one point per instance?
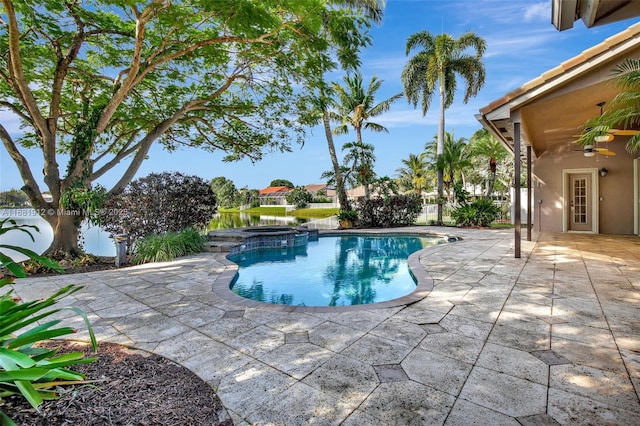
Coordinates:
(605, 151)
(624, 132)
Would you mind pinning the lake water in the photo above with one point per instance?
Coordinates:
(94, 239)
(99, 242)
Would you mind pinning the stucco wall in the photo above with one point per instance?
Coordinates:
(615, 190)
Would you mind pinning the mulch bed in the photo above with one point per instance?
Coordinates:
(131, 388)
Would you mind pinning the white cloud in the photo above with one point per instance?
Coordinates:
(538, 12)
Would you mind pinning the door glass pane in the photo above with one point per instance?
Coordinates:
(580, 201)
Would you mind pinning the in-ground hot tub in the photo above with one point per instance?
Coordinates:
(262, 237)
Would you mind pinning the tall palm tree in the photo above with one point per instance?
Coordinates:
(455, 158)
(356, 106)
(483, 144)
(415, 175)
(348, 59)
(442, 58)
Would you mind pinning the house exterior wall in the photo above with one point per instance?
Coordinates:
(616, 198)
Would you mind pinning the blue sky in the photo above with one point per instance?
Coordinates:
(521, 44)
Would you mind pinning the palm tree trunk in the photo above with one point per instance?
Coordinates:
(492, 177)
(440, 148)
(342, 194)
(365, 183)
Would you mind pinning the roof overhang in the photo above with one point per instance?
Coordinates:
(554, 107)
(592, 12)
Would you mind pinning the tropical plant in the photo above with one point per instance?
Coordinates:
(442, 58)
(159, 203)
(359, 161)
(453, 161)
(321, 96)
(100, 82)
(347, 218)
(415, 176)
(26, 369)
(299, 196)
(623, 111)
(480, 212)
(483, 144)
(355, 107)
(168, 246)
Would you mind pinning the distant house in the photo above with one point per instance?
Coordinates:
(274, 195)
(321, 189)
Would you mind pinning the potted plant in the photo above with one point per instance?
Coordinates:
(347, 218)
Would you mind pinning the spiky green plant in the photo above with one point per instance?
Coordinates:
(25, 368)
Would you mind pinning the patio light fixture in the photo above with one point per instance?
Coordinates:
(603, 171)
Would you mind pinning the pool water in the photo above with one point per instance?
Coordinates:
(332, 271)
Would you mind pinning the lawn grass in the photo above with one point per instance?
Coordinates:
(281, 211)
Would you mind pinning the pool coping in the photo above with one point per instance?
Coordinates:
(424, 284)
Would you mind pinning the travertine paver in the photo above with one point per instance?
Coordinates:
(550, 338)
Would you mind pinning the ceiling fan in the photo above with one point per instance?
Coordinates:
(590, 151)
(608, 135)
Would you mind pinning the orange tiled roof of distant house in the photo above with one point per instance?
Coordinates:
(274, 189)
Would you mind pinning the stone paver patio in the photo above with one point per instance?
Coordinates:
(551, 338)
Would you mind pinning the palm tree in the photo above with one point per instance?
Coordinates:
(356, 105)
(455, 158)
(415, 175)
(485, 145)
(361, 158)
(623, 110)
(437, 65)
(372, 10)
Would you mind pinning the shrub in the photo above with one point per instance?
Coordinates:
(480, 212)
(168, 246)
(299, 196)
(392, 211)
(159, 203)
(24, 369)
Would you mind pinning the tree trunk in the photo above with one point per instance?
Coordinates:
(492, 177)
(440, 149)
(365, 178)
(66, 229)
(342, 194)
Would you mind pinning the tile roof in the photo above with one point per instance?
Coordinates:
(582, 58)
(274, 189)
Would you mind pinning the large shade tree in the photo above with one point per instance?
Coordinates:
(102, 81)
(439, 61)
(356, 107)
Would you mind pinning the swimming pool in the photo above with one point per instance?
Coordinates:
(337, 270)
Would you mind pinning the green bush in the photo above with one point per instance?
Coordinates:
(159, 203)
(24, 369)
(480, 212)
(299, 196)
(168, 246)
(390, 211)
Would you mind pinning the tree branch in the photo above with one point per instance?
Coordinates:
(30, 186)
